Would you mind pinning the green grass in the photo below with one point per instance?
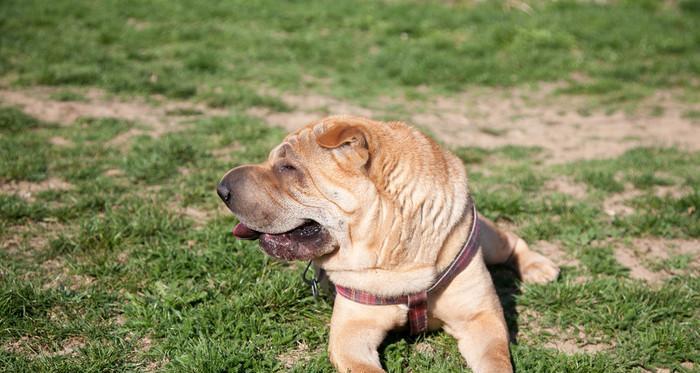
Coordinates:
(117, 267)
(205, 301)
(220, 52)
(68, 96)
(693, 115)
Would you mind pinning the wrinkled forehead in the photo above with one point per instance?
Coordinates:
(300, 144)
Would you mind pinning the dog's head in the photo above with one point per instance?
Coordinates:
(344, 185)
(306, 193)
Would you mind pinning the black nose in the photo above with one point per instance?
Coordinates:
(223, 192)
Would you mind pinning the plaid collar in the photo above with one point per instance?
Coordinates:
(418, 302)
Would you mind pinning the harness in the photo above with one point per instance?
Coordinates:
(418, 302)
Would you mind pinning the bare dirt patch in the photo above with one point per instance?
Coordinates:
(26, 345)
(425, 348)
(558, 124)
(554, 252)
(137, 24)
(686, 364)
(226, 152)
(308, 107)
(673, 191)
(61, 142)
(114, 172)
(28, 190)
(120, 320)
(124, 137)
(566, 186)
(564, 126)
(290, 358)
(58, 274)
(145, 344)
(570, 341)
(200, 217)
(629, 259)
(32, 347)
(16, 346)
(157, 114)
(618, 204)
(156, 366)
(577, 346)
(640, 254)
(71, 346)
(23, 240)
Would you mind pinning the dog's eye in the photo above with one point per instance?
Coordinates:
(287, 168)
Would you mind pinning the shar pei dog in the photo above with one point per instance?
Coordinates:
(387, 214)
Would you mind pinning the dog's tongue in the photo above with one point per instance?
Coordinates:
(241, 231)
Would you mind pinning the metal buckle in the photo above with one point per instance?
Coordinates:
(313, 282)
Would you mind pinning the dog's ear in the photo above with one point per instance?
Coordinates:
(340, 134)
(350, 139)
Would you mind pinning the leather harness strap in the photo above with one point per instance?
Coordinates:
(418, 302)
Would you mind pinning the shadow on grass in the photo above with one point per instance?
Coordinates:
(507, 285)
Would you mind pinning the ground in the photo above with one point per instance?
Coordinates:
(577, 122)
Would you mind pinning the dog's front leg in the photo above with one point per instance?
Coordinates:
(471, 312)
(483, 341)
(356, 332)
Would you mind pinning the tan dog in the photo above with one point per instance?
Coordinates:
(383, 209)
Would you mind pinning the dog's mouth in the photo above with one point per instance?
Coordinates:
(305, 242)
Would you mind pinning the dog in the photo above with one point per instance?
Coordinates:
(387, 213)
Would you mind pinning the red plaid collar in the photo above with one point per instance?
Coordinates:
(418, 302)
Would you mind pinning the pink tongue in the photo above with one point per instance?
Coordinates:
(244, 233)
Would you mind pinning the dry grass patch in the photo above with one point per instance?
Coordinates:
(298, 354)
(425, 348)
(71, 346)
(57, 274)
(23, 240)
(156, 366)
(158, 114)
(32, 347)
(28, 189)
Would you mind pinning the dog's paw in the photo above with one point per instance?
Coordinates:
(538, 269)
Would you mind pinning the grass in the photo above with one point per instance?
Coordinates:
(692, 115)
(129, 266)
(68, 96)
(221, 52)
(116, 273)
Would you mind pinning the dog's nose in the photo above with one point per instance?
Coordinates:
(223, 192)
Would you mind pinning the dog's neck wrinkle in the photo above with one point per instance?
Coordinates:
(418, 244)
(411, 276)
